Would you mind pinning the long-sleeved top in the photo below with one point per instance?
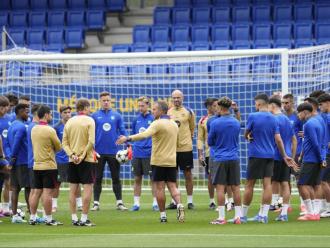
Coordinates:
(164, 133)
(208, 127)
(79, 137)
(142, 148)
(5, 122)
(30, 147)
(61, 156)
(45, 144)
(224, 138)
(17, 138)
(185, 119)
(297, 127)
(109, 125)
(202, 135)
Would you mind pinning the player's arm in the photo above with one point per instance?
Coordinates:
(91, 140)
(236, 111)
(66, 142)
(311, 133)
(133, 126)
(200, 139)
(55, 140)
(17, 143)
(294, 144)
(6, 146)
(211, 136)
(289, 161)
(249, 125)
(151, 130)
(192, 123)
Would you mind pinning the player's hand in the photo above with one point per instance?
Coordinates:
(12, 161)
(291, 163)
(250, 137)
(7, 169)
(234, 106)
(75, 159)
(301, 134)
(323, 164)
(121, 140)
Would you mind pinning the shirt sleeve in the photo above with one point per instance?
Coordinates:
(121, 126)
(55, 140)
(276, 126)
(192, 123)
(211, 136)
(151, 130)
(17, 141)
(133, 126)
(200, 135)
(66, 142)
(91, 138)
(249, 124)
(311, 133)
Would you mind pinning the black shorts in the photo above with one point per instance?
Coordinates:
(44, 179)
(166, 174)
(226, 173)
(310, 174)
(259, 168)
(31, 177)
(141, 166)
(325, 172)
(4, 176)
(81, 173)
(185, 160)
(207, 167)
(19, 177)
(281, 172)
(62, 173)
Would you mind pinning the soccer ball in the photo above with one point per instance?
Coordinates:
(122, 156)
(21, 213)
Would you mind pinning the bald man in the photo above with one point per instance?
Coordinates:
(185, 118)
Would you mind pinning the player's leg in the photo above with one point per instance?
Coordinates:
(319, 196)
(210, 186)
(189, 187)
(230, 201)
(160, 196)
(6, 189)
(234, 181)
(275, 194)
(79, 199)
(247, 196)
(175, 193)
(266, 198)
(72, 201)
(99, 170)
(34, 201)
(137, 171)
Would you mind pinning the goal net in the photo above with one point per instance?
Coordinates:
(58, 79)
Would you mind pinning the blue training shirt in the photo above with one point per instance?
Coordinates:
(286, 132)
(224, 138)
(208, 127)
(61, 156)
(263, 127)
(142, 148)
(29, 143)
(109, 125)
(17, 138)
(297, 127)
(322, 118)
(5, 122)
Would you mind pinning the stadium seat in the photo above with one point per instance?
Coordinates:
(58, 5)
(121, 48)
(160, 48)
(39, 4)
(303, 34)
(180, 34)
(18, 36)
(5, 5)
(200, 34)
(241, 36)
(31, 72)
(76, 18)
(116, 5)
(3, 19)
(35, 37)
(74, 38)
(221, 3)
(282, 34)
(220, 34)
(283, 13)
(20, 5)
(282, 2)
(37, 19)
(220, 70)
(304, 43)
(262, 14)
(201, 3)
(13, 72)
(95, 19)
(200, 47)
(181, 15)
(76, 4)
(322, 12)
(221, 15)
(158, 71)
(182, 3)
(56, 19)
(303, 13)
(241, 14)
(55, 40)
(141, 34)
(160, 34)
(261, 2)
(96, 4)
(220, 46)
(263, 44)
(241, 45)
(242, 70)
(180, 47)
(140, 48)
(322, 33)
(201, 15)
(98, 73)
(162, 16)
(262, 36)
(18, 19)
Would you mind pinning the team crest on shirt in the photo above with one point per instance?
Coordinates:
(112, 118)
(178, 123)
(106, 127)
(141, 130)
(5, 133)
(149, 122)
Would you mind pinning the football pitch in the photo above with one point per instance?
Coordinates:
(143, 229)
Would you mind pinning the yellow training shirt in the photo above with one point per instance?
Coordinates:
(202, 135)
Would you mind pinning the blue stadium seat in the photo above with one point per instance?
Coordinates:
(241, 36)
(37, 19)
(18, 36)
(76, 4)
(141, 34)
(162, 15)
(200, 47)
(98, 73)
(303, 34)
(160, 48)
(35, 37)
(56, 19)
(200, 34)
(76, 18)
(221, 3)
(303, 13)
(31, 72)
(241, 2)
(180, 34)
(39, 4)
(55, 40)
(180, 47)
(75, 38)
(304, 43)
(216, 46)
(282, 2)
(140, 48)
(241, 14)
(282, 34)
(241, 45)
(322, 12)
(262, 14)
(221, 15)
(282, 13)
(322, 33)
(201, 15)
(160, 34)
(95, 19)
(13, 72)
(58, 5)
(96, 4)
(263, 45)
(220, 35)
(242, 70)
(261, 2)
(116, 5)
(201, 3)
(262, 36)
(20, 5)
(182, 3)
(220, 69)
(3, 19)
(121, 48)
(18, 19)
(181, 15)
(5, 5)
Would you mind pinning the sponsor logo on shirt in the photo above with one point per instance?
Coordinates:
(141, 130)
(106, 127)
(5, 133)
(112, 117)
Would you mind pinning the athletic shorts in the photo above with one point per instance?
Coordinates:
(141, 166)
(259, 168)
(163, 174)
(185, 160)
(62, 173)
(207, 167)
(31, 177)
(211, 167)
(19, 177)
(310, 174)
(226, 173)
(281, 172)
(81, 173)
(292, 171)
(325, 172)
(44, 179)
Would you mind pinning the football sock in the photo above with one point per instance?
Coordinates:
(274, 199)
(83, 217)
(54, 202)
(190, 198)
(284, 210)
(79, 202)
(238, 211)
(221, 212)
(137, 201)
(245, 209)
(309, 206)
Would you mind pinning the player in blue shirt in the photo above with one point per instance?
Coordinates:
(142, 152)
(262, 132)
(109, 125)
(225, 145)
(281, 172)
(312, 160)
(23, 100)
(17, 138)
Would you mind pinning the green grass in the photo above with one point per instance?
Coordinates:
(142, 229)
